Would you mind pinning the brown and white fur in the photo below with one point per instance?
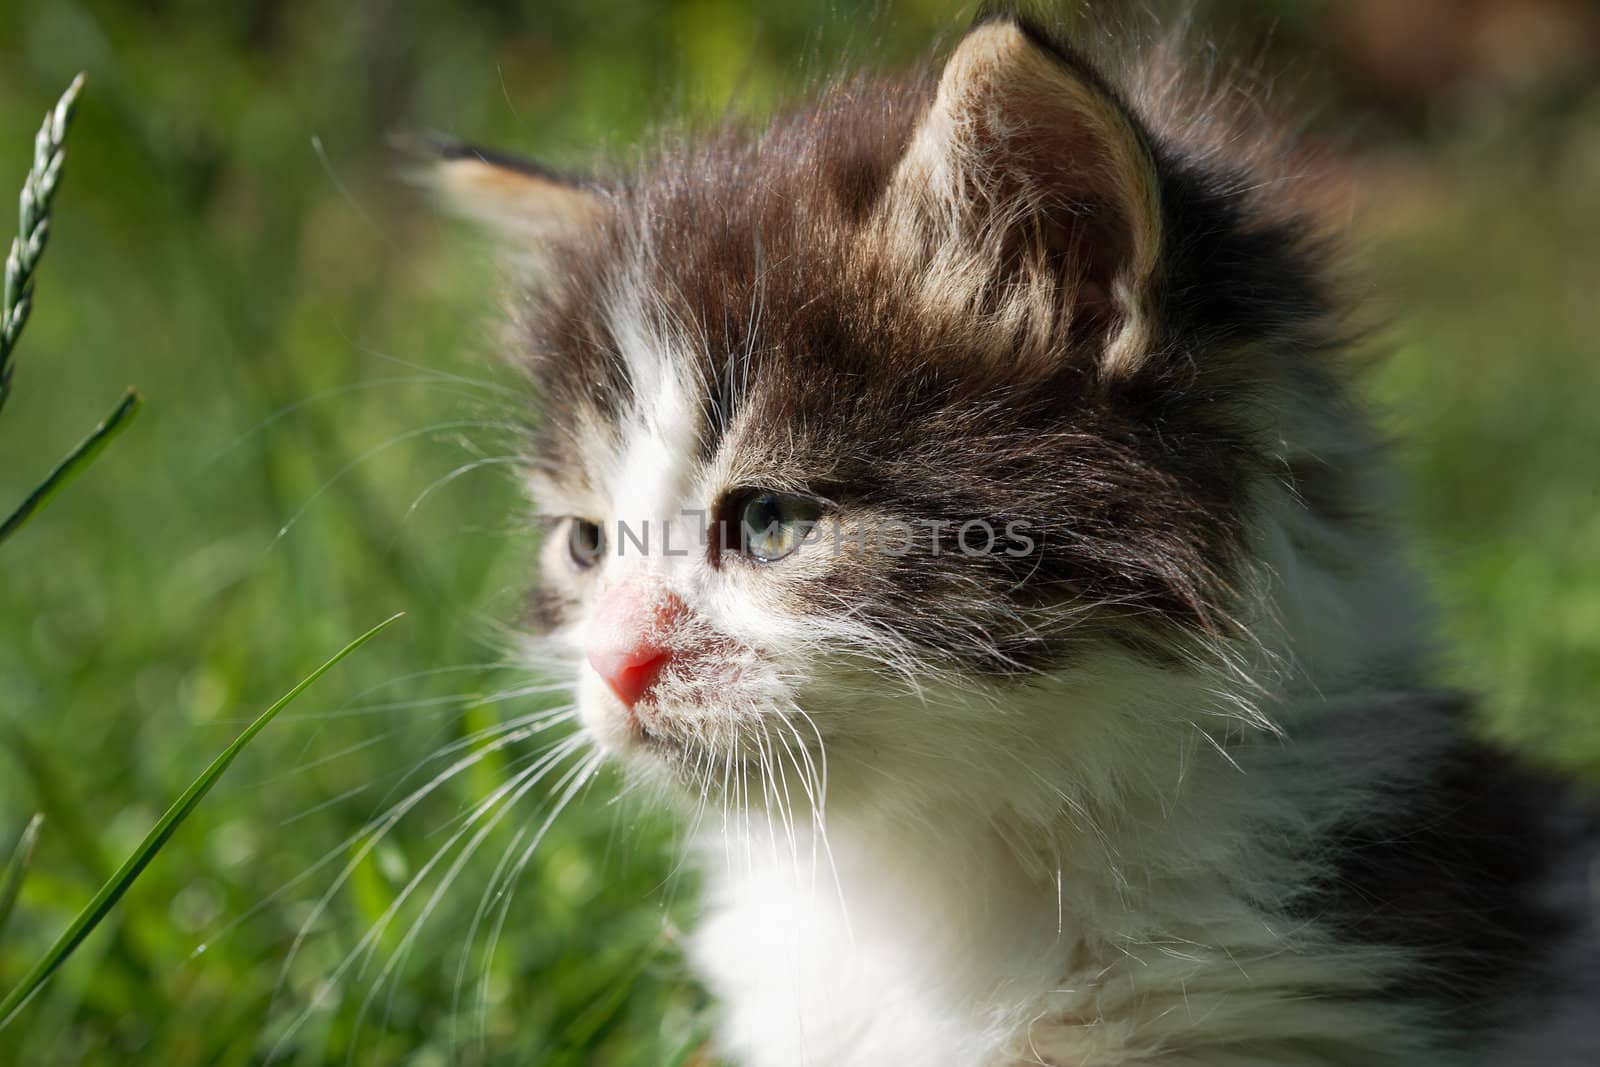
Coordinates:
(1168, 788)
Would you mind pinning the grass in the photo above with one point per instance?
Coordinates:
(312, 346)
(1487, 258)
(123, 878)
(33, 229)
(38, 190)
(16, 868)
(16, 303)
(72, 464)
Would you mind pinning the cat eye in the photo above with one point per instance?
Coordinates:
(586, 543)
(773, 525)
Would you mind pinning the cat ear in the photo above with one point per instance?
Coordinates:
(520, 202)
(1027, 158)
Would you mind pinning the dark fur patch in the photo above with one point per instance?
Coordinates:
(1457, 869)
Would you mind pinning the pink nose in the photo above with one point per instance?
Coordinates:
(628, 648)
(629, 671)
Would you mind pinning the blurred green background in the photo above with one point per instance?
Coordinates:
(323, 444)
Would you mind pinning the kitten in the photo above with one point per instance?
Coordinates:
(957, 501)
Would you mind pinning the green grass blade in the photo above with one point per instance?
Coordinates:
(33, 218)
(112, 891)
(17, 867)
(74, 463)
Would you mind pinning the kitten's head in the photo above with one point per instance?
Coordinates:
(936, 394)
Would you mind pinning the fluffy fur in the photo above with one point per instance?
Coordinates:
(1168, 788)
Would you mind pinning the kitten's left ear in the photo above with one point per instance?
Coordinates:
(1028, 157)
(520, 202)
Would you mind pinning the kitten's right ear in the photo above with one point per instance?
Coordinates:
(517, 200)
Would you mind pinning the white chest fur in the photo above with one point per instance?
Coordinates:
(810, 972)
(934, 945)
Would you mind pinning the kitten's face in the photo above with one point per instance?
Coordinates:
(900, 401)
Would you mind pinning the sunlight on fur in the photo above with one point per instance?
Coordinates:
(1167, 787)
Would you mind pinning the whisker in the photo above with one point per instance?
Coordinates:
(364, 841)
(444, 480)
(401, 438)
(585, 773)
(514, 788)
(324, 805)
(522, 726)
(504, 799)
(334, 392)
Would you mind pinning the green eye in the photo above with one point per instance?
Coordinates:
(586, 542)
(773, 525)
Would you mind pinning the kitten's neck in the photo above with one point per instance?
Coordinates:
(935, 932)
